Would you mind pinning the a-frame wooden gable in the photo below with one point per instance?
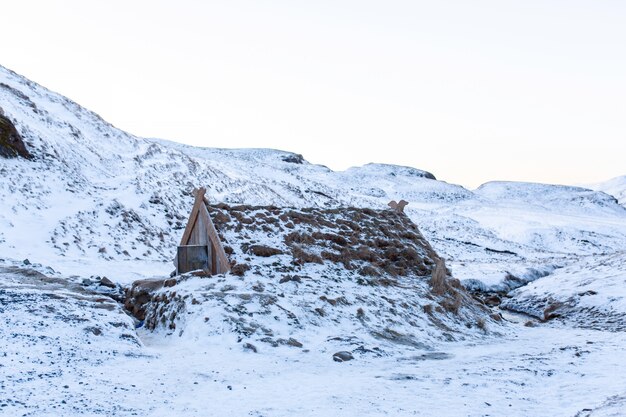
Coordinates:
(200, 247)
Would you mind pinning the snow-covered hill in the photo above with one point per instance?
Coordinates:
(94, 194)
(590, 293)
(95, 201)
(615, 187)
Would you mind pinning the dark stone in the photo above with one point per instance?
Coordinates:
(26, 262)
(264, 251)
(107, 282)
(552, 311)
(240, 269)
(250, 346)
(94, 330)
(139, 294)
(11, 143)
(294, 159)
(343, 356)
(155, 199)
(293, 342)
(288, 278)
(493, 300)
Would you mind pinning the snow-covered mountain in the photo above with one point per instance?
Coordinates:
(93, 193)
(615, 186)
(91, 201)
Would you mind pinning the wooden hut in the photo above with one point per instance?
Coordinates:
(200, 247)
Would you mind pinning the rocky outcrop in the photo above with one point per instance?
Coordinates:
(140, 293)
(11, 142)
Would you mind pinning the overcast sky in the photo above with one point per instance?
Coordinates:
(470, 90)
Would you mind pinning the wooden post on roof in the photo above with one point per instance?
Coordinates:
(399, 207)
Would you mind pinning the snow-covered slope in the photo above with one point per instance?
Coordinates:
(96, 201)
(94, 194)
(615, 187)
(590, 293)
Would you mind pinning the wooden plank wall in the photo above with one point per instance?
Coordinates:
(200, 231)
(222, 264)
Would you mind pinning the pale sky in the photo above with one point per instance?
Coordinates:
(470, 90)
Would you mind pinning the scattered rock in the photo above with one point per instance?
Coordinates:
(343, 356)
(107, 282)
(492, 300)
(294, 158)
(93, 330)
(26, 261)
(293, 342)
(288, 278)
(239, 269)
(496, 316)
(250, 347)
(264, 251)
(139, 294)
(11, 143)
(551, 312)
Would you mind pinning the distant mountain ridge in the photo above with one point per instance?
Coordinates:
(615, 187)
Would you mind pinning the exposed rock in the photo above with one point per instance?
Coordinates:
(492, 300)
(293, 342)
(250, 347)
(294, 158)
(239, 269)
(107, 282)
(288, 278)
(552, 311)
(343, 356)
(139, 294)
(264, 251)
(93, 330)
(11, 142)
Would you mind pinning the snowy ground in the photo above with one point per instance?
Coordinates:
(52, 362)
(53, 366)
